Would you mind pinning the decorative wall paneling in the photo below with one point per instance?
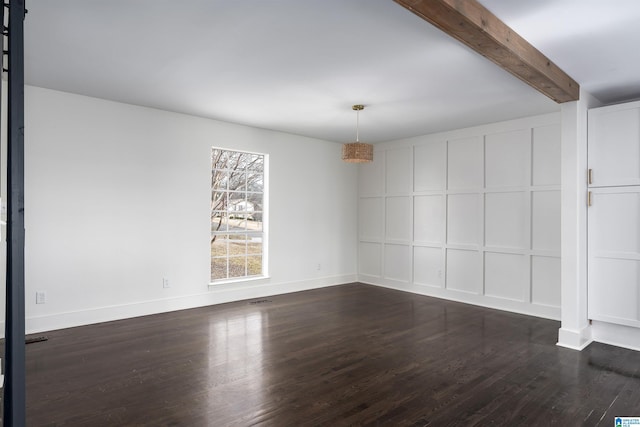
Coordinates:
(471, 215)
(614, 215)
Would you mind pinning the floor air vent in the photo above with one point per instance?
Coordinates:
(260, 301)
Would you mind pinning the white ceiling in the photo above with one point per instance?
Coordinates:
(298, 65)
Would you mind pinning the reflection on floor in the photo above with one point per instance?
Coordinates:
(346, 355)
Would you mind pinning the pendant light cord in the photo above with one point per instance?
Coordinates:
(357, 108)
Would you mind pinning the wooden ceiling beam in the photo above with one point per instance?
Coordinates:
(474, 25)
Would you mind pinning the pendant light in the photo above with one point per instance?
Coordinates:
(357, 152)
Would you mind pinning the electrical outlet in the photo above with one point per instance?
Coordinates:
(165, 283)
(41, 297)
(319, 266)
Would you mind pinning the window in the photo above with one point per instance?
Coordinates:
(237, 211)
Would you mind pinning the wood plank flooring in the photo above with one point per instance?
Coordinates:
(346, 355)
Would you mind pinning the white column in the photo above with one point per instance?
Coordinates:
(575, 331)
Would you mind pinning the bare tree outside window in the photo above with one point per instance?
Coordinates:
(237, 208)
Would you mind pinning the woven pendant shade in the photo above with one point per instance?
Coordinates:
(357, 152)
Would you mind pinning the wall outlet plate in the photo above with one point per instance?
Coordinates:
(41, 297)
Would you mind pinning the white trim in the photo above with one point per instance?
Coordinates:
(574, 339)
(618, 335)
(215, 283)
(513, 306)
(143, 308)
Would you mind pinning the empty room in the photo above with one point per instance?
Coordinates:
(320, 213)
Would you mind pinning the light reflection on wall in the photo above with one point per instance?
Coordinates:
(236, 365)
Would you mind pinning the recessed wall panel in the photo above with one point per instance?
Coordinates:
(428, 266)
(398, 170)
(545, 281)
(617, 298)
(505, 220)
(507, 159)
(463, 213)
(464, 271)
(429, 166)
(370, 214)
(428, 219)
(371, 176)
(397, 262)
(617, 214)
(614, 152)
(397, 218)
(546, 155)
(465, 163)
(370, 259)
(505, 275)
(545, 220)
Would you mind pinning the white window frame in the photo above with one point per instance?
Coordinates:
(231, 212)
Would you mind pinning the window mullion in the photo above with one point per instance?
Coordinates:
(240, 177)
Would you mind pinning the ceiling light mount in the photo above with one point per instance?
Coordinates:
(357, 152)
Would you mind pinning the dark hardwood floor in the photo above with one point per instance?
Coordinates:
(345, 355)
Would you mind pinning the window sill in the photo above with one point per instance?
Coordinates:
(219, 283)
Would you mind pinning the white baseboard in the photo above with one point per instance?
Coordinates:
(513, 306)
(215, 295)
(618, 335)
(575, 339)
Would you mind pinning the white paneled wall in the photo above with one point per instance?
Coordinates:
(471, 215)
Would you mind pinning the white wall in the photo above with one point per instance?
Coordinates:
(471, 215)
(117, 197)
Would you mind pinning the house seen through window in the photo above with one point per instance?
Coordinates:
(237, 211)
